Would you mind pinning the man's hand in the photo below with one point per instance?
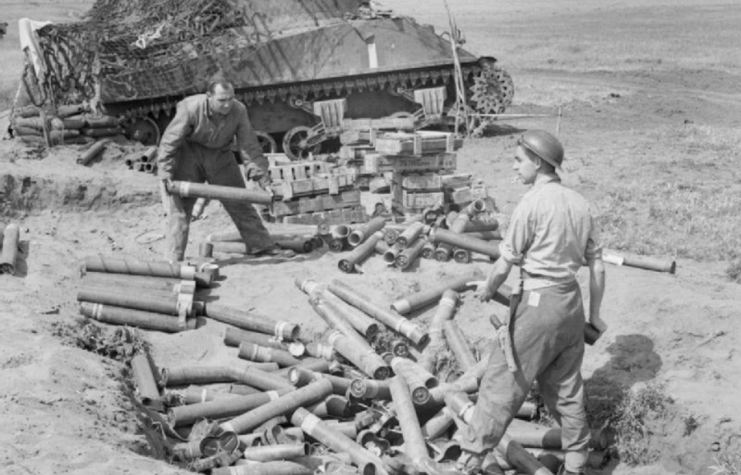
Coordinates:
(598, 323)
(265, 182)
(166, 184)
(483, 292)
(252, 171)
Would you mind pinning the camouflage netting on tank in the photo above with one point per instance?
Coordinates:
(118, 37)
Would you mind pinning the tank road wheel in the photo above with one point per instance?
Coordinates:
(295, 145)
(266, 142)
(492, 89)
(144, 130)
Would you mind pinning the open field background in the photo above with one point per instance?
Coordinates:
(661, 75)
(651, 119)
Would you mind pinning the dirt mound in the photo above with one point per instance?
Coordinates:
(33, 180)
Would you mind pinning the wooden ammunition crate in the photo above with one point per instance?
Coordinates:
(366, 130)
(405, 200)
(466, 194)
(417, 143)
(318, 184)
(318, 203)
(376, 163)
(354, 214)
(356, 152)
(298, 171)
(418, 181)
(457, 180)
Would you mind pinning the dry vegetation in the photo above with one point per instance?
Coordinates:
(680, 216)
(11, 57)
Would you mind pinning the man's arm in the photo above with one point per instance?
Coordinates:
(494, 280)
(596, 292)
(257, 165)
(174, 135)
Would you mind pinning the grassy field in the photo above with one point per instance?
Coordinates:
(685, 204)
(11, 56)
(661, 187)
(575, 36)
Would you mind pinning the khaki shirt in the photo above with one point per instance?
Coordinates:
(196, 123)
(552, 232)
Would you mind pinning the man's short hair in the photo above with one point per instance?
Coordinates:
(219, 80)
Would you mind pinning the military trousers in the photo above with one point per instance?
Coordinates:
(547, 332)
(199, 164)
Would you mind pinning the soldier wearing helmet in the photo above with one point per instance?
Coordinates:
(550, 237)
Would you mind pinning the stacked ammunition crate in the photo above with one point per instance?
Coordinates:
(358, 141)
(461, 189)
(312, 192)
(418, 162)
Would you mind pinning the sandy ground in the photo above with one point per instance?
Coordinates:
(66, 410)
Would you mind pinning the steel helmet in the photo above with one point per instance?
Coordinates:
(544, 145)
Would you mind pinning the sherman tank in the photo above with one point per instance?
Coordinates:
(304, 68)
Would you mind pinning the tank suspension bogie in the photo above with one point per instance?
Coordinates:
(300, 142)
(267, 142)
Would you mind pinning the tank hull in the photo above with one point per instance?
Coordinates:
(292, 62)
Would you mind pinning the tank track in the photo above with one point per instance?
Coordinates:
(489, 89)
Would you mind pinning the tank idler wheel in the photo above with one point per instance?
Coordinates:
(267, 142)
(144, 130)
(295, 144)
(488, 93)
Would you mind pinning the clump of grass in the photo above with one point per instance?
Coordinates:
(641, 418)
(733, 271)
(119, 343)
(726, 464)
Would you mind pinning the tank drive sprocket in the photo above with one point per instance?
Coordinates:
(492, 89)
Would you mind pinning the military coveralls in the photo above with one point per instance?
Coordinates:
(550, 237)
(197, 147)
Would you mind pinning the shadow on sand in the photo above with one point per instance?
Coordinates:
(633, 361)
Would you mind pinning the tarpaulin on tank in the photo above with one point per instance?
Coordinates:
(134, 17)
(335, 49)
